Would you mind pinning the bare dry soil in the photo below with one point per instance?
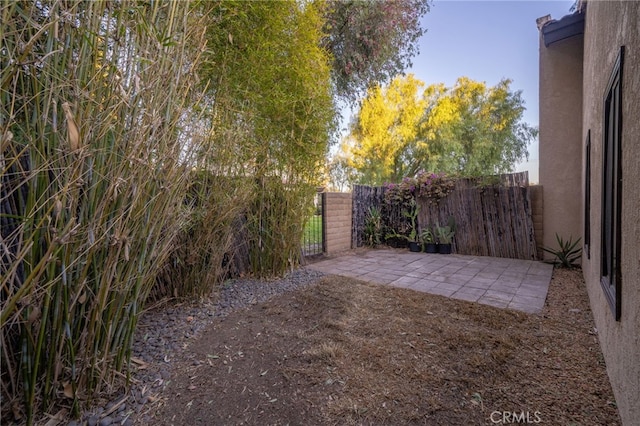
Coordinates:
(347, 352)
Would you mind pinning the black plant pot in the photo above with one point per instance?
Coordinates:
(395, 242)
(414, 246)
(444, 248)
(430, 247)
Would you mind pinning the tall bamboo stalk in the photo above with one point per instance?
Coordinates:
(92, 98)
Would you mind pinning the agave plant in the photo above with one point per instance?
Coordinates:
(567, 253)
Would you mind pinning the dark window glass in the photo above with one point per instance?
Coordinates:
(611, 189)
(587, 196)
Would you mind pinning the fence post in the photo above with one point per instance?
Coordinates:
(338, 220)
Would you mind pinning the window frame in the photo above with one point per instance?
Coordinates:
(587, 196)
(611, 230)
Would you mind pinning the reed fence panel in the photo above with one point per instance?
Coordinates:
(364, 198)
(494, 220)
(491, 219)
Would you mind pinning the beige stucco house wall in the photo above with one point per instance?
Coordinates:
(560, 138)
(608, 26)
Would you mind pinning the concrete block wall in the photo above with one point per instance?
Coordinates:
(537, 217)
(337, 221)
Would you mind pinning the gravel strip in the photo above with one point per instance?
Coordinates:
(163, 334)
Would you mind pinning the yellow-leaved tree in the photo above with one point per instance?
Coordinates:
(470, 129)
(384, 129)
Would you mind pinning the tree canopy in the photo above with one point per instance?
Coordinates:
(370, 41)
(469, 129)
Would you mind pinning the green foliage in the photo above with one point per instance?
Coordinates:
(411, 213)
(468, 130)
(313, 230)
(370, 41)
(427, 235)
(383, 131)
(91, 187)
(105, 109)
(475, 130)
(271, 115)
(199, 261)
(568, 252)
(373, 228)
(446, 233)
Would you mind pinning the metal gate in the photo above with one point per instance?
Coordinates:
(313, 236)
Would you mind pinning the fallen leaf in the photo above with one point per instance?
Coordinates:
(34, 315)
(57, 418)
(68, 390)
(140, 363)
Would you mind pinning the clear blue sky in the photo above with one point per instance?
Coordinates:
(487, 41)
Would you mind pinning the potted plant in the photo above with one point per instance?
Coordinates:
(429, 244)
(412, 215)
(395, 240)
(445, 236)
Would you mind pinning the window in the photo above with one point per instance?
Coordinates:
(611, 189)
(587, 195)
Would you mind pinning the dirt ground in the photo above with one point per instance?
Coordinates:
(347, 352)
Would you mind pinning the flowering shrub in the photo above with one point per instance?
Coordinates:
(433, 186)
(400, 193)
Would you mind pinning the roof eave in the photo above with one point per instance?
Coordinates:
(569, 26)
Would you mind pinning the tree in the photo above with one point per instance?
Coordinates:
(339, 173)
(475, 130)
(384, 129)
(371, 41)
(469, 129)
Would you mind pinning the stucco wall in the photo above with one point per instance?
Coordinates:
(609, 25)
(337, 224)
(560, 139)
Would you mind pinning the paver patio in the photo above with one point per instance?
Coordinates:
(505, 283)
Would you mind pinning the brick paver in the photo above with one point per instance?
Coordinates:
(505, 283)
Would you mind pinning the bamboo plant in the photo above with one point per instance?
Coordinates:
(91, 191)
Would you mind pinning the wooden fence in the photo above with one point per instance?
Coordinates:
(491, 220)
(364, 198)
